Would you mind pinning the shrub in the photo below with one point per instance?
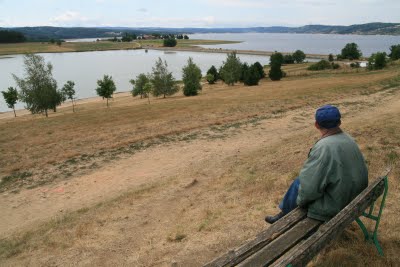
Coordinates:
(351, 51)
(299, 56)
(355, 64)
(321, 65)
(213, 71)
(251, 76)
(395, 52)
(330, 58)
(335, 66)
(244, 69)
(210, 78)
(170, 42)
(275, 73)
(377, 61)
(260, 69)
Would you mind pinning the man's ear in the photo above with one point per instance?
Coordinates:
(317, 125)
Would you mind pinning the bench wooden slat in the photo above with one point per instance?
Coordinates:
(278, 247)
(235, 256)
(301, 254)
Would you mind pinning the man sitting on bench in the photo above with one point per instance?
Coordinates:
(333, 175)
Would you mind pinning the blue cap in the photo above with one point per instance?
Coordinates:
(328, 116)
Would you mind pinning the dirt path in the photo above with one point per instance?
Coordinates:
(30, 207)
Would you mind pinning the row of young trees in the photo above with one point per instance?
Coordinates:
(162, 83)
(351, 52)
(38, 89)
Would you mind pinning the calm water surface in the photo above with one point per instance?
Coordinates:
(309, 43)
(86, 68)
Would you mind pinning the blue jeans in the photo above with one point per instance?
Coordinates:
(288, 202)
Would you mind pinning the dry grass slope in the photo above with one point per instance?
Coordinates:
(230, 154)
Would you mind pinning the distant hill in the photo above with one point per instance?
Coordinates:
(47, 32)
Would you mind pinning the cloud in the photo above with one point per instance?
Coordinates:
(239, 3)
(270, 4)
(144, 10)
(69, 18)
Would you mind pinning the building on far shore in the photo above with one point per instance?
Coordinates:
(148, 37)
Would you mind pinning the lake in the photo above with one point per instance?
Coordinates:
(85, 68)
(309, 43)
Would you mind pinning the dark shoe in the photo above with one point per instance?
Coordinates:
(272, 219)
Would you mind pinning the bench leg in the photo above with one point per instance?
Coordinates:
(373, 237)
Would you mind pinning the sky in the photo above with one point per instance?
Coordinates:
(195, 13)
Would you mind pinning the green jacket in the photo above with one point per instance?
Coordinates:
(334, 174)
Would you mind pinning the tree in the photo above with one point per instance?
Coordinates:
(395, 52)
(231, 69)
(127, 37)
(244, 69)
(191, 78)
(275, 73)
(299, 56)
(170, 42)
(377, 61)
(251, 76)
(351, 51)
(276, 58)
(330, 58)
(260, 69)
(106, 87)
(212, 71)
(186, 37)
(38, 88)
(147, 88)
(11, 98)
(162, 80)
(138, 85)
(69, 91)
(288, 59)
(7, 36)
(56, 98)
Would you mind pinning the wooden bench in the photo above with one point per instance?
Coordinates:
(295, 239)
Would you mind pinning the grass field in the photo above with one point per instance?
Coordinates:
(23, 48)
(183, 180)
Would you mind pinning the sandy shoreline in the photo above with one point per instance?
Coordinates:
(220, 50)
(66, 104)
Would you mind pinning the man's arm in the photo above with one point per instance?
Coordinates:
(313, 177)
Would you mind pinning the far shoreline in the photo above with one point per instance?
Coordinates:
(193, 47)
(196, 48)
